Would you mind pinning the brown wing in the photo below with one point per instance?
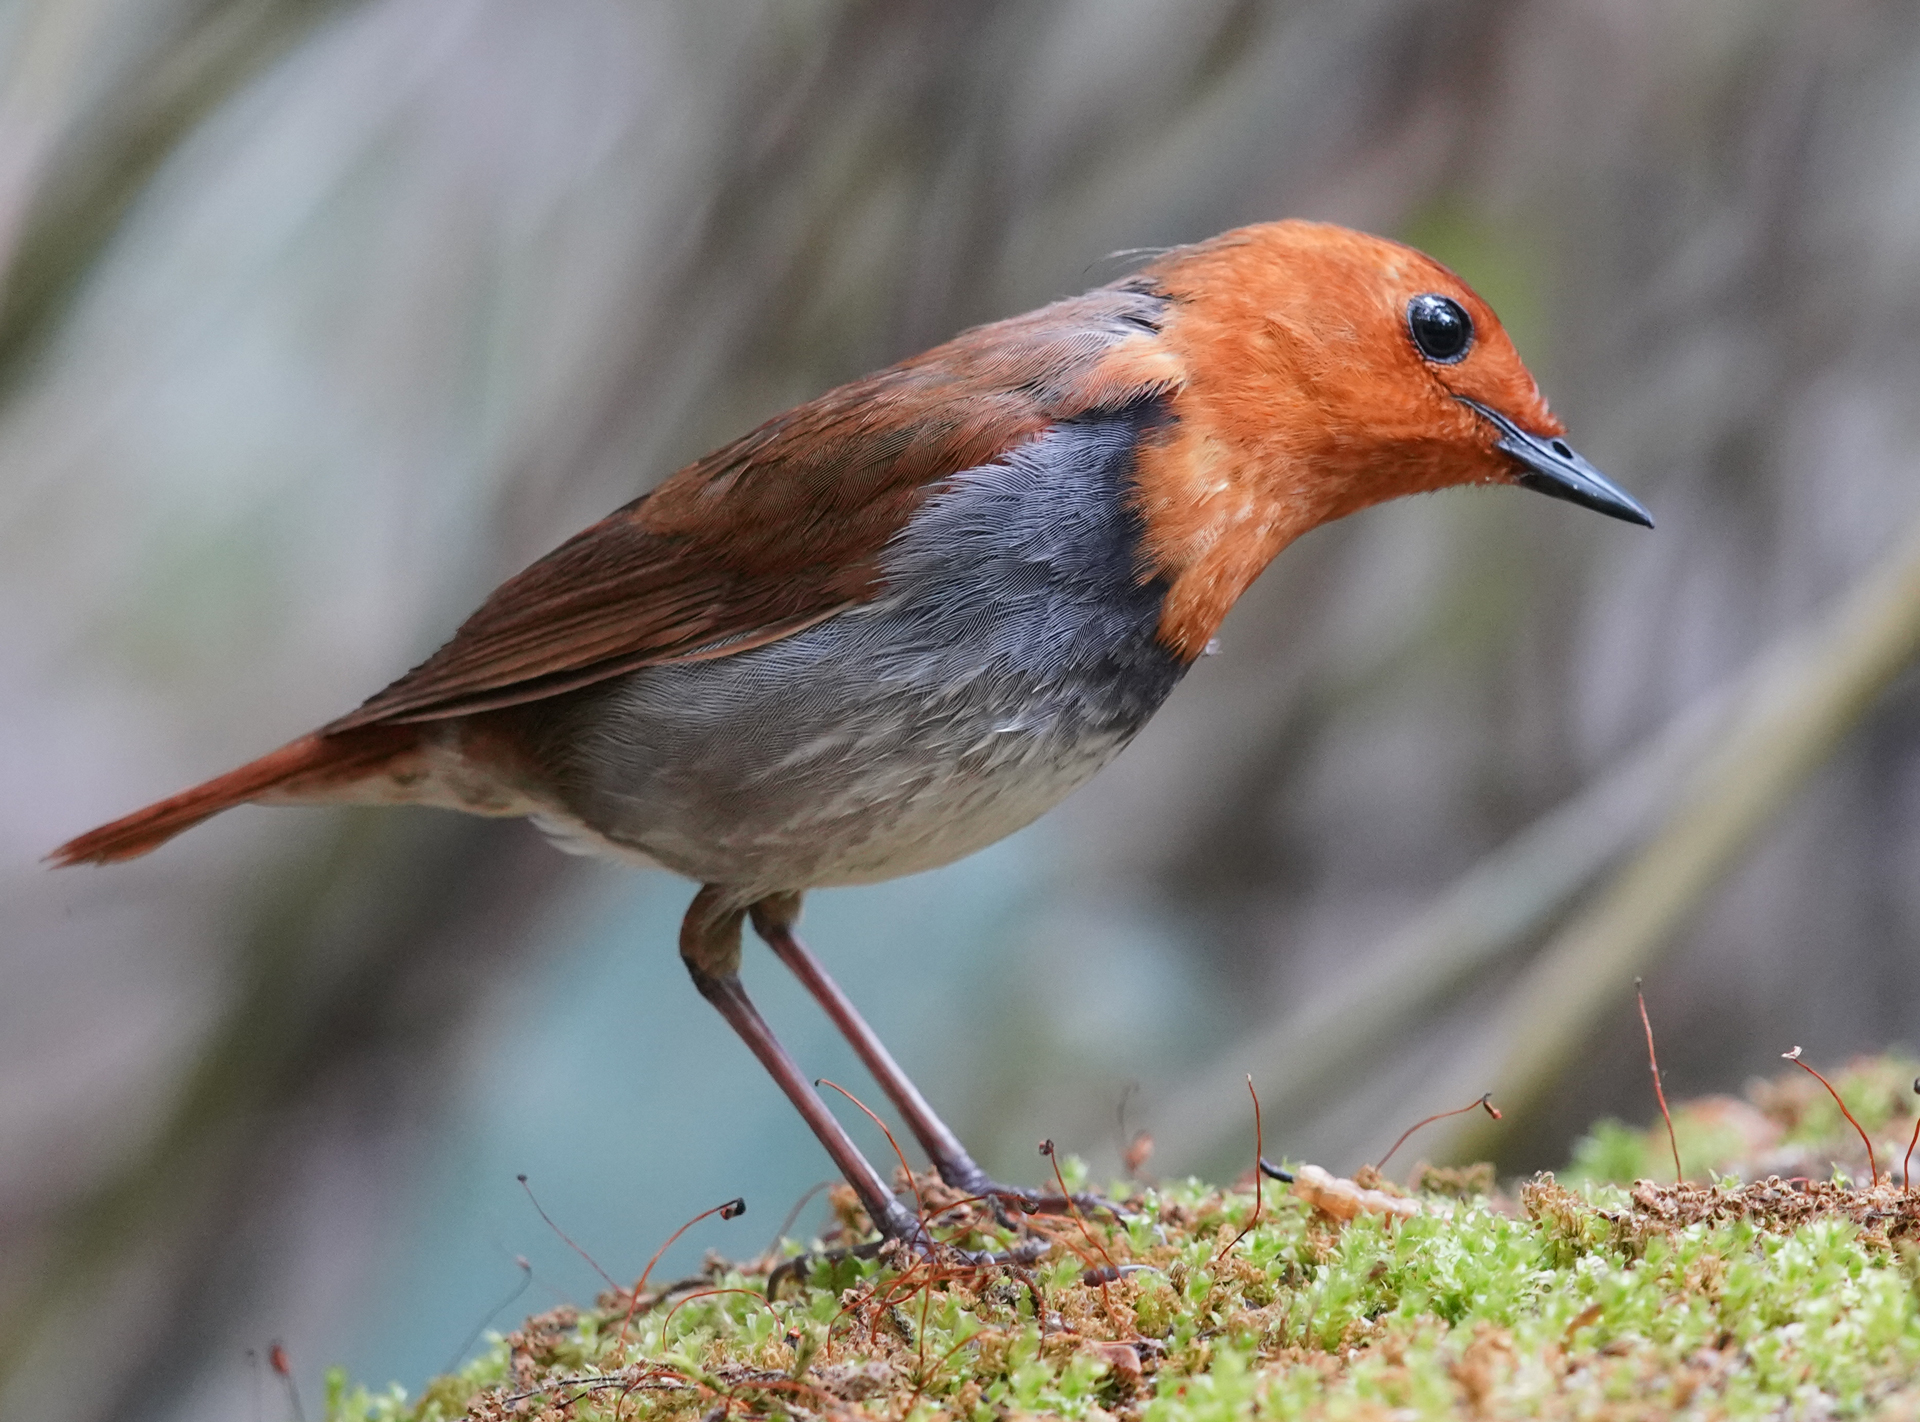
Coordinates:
(784, 527)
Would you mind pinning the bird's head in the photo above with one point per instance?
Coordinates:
(1326, 370)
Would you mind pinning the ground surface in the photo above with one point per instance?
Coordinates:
(1795, 1295)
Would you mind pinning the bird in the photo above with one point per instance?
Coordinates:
(896, 623)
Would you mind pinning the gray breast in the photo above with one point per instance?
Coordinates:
(1011, 656)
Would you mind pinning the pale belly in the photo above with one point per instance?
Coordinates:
(801, 766)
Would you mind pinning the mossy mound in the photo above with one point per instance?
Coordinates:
(1794, 1297)
(1596, 1302)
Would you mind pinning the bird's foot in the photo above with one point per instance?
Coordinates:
(957, 1208)
(1009, 1202)
(903, 1243)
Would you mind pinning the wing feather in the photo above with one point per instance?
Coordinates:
(784, 527)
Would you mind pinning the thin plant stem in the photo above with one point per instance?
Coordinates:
(1659, 1092)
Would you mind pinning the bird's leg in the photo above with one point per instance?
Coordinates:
(710, 947)
(773, 920)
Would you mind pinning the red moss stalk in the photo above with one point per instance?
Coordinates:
(1873, 1166)
(1659, 1092)
(1485, 1102)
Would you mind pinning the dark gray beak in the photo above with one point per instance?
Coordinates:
(1553, 469)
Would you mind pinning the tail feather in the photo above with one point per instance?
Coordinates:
(312, 764)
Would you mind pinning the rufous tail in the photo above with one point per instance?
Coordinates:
(314, 763)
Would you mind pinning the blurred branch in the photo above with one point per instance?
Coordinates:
(369, 949)
(1495, 910)
(1772, 726)
(1813, 690)
(93, 174)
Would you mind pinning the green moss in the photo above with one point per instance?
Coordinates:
(1770, 1299)
(1590, 1301)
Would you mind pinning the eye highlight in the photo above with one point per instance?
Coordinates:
(1440, 327)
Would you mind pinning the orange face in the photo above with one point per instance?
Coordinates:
(1327, 370)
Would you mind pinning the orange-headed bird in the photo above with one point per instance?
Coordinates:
(892, 625)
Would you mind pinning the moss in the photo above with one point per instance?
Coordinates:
(1585, 1300)
(1597, 1299)
(1788, 1125)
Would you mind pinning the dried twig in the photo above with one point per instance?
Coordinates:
(1659, 1092)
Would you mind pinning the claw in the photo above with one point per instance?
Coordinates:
(1024, 1253)
(1033, 1203)
(1028, 1202)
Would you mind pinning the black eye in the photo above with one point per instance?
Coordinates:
(1440, 326)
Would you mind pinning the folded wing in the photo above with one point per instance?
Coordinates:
(784, 527)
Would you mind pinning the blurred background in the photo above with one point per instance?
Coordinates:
(320, 317)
